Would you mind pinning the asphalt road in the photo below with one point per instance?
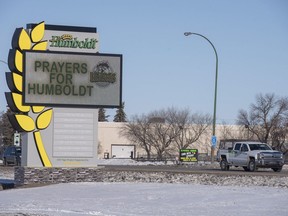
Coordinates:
(205, 169)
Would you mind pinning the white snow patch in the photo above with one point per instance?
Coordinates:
(137, 199)
(115, 161)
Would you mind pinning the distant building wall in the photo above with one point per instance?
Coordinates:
(109, 134)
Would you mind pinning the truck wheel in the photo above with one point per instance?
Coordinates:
(18, 162)
(278, 169)
(224, 165)
(5, 162)
(246, 168)
(252, 165)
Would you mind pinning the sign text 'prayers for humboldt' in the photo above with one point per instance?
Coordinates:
(72, 79)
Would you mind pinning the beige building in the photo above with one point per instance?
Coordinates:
(113, 145)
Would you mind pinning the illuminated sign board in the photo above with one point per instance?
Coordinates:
(66, 79)
(188, 155)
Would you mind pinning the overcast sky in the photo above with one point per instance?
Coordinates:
(163, 68)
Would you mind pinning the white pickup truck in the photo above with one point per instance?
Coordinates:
(250, 156)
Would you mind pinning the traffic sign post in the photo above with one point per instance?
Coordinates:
(213, 145)
(213, 141)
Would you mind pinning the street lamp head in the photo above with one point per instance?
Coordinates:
(187, 33)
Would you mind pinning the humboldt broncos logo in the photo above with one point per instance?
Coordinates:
(102, 74)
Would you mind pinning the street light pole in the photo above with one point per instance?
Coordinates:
(215, 91)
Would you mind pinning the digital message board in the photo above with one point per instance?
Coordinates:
(188, 155)
(59, 79)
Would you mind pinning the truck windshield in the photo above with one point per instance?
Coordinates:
(259, 147)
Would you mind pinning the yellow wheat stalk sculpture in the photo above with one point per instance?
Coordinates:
(21, 120)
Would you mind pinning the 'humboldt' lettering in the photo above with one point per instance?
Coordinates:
(69, 42)
(51, 89)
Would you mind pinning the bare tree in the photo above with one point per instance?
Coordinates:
(166, 131)
(232, 132)
(137, 131)
(163, 132)
(279, 135)
(192, 128)
(6, 129)
(267, 119)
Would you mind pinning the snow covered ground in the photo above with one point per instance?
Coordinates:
(133, 199)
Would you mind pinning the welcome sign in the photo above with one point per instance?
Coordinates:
(52, 70)
(72, 79)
